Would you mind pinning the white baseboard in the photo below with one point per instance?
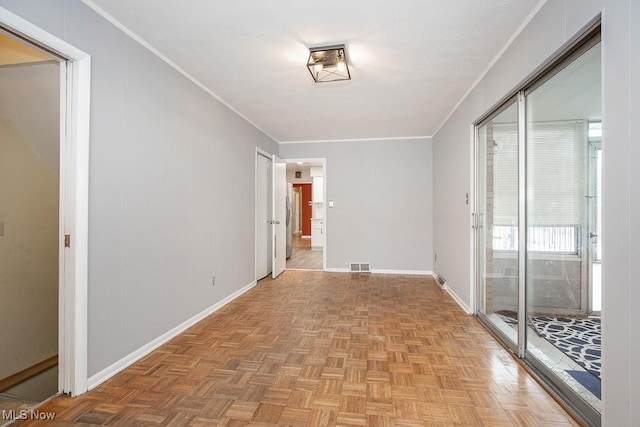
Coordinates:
(405, 272)
(383, 271)
(453, 295)
(138, 354)
(457, 299)
(435, 277)
(336, 270)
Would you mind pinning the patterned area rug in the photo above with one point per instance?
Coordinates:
(588, 381)
(580, 339)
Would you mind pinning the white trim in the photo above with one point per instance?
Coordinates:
(74, 200)
(473, 203)
(435, 277)
(136, 355)
(169, 62)
(25, 28)
(325, 204)
(255, 214)
(278, 264)
(78, 201)
(391, 138)
(63, 361)
(336, 270)
(495, 59)
(456, 298)
(402, 272)
(385, 271)
(452, 293)
(264, 153)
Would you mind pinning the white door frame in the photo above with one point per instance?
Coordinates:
(278, 216)
(74, 200)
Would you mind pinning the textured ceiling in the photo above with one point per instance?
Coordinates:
(411, 61)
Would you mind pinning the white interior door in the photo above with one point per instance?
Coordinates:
(264, 212)
(279, 216)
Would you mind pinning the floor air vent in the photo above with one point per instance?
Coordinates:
(441, 280)
(360, 267)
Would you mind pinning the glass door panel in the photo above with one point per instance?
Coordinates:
(496, 221)
(560, 335)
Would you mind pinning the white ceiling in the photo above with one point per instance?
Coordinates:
(411, 61)
(294, 165)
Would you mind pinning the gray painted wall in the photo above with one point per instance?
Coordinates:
(305, 174)
(556, 22)
(383, 201)
(163, 215)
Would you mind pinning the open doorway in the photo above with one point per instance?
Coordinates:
(307, 229)
(73, 115)
(29, 222)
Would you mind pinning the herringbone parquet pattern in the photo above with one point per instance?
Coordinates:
(322, 349)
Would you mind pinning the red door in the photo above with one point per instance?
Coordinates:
(305, 190)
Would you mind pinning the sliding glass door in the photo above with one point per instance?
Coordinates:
(537, 216)
(496, 221)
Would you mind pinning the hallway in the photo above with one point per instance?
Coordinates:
(302, 257)
(313, 348)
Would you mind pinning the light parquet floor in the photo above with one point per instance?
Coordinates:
(298, 242)
(302, 256)
(324, 349)
(305, 259)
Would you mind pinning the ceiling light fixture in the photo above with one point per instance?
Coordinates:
(328, 63)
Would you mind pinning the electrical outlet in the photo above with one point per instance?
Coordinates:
(435, 257)
(213, 281)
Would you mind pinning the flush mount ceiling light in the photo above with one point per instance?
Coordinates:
(328, 63)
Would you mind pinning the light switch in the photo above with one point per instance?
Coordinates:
(330, 203)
